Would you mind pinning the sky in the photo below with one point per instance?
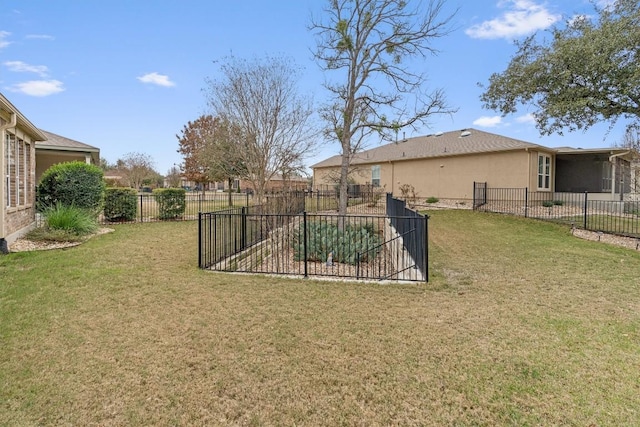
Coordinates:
(127, 75)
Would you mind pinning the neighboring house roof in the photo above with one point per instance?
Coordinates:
(292, 177)
(56, 142)
(456, 143)
(22, 121)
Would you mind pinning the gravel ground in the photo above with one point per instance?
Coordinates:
(626, 242)
(25, 245)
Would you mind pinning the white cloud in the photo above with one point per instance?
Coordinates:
(528, 119)
(22, 67)
(40, 37)
(488, 122)
(3, 42)
(156, 79)
(38, 87)
(524, 17)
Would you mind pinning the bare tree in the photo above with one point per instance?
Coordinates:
(259, 99)
(136, 167)
(174, 177)
(364, 42)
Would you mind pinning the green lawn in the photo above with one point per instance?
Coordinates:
(521, 324)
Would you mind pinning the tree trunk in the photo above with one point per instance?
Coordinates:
(230, 180)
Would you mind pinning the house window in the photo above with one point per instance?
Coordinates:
(544, 172)
(375, 175)
(18, 171)
(606, 176)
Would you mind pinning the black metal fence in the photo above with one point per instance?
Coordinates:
(145, 207)
(414, 230)
(577, 209)
(250, 239)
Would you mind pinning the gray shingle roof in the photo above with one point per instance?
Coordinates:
(57, 142)
(437, 145)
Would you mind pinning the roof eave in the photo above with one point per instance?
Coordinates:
(22, 121)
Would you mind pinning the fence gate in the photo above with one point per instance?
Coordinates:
(479, 194)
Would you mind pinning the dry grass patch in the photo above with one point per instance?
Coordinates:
(521, 324)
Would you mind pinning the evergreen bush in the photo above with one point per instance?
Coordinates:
(171, 202)
(120, 204)
(75, 184)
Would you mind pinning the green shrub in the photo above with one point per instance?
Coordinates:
(171, 202)
(433, 200)
(558, 202)
(547, 204)
(120, 204)
(325, 238)
(68, 220)
(71, 184)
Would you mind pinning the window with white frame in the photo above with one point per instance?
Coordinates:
(544, 172)
(375, 175)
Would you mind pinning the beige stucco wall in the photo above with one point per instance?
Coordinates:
(451, 177)
(46, 159)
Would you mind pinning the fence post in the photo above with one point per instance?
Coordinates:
(214, 224)
(243, 229)
(141, 218)
(304, 239)
(426, 248)
(526, 202)
(585, 210)
(474, 196)
(200, 263)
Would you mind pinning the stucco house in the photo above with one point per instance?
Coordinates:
(18, 137)
(446, 165)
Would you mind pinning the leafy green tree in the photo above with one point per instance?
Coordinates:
(587, 73)
(366, 45)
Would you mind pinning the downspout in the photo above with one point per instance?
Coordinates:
(613, 175)
(392, 176)
(3, 204)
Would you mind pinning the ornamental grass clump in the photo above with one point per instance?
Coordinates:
(65, 223)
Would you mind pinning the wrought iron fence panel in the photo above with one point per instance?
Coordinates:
(356, 246)
(579, 210)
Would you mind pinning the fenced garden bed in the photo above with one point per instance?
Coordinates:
(371, 247)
